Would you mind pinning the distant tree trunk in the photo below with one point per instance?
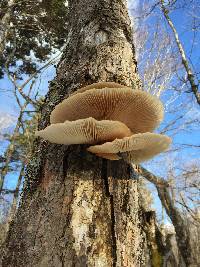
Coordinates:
(77, 209)
(183, 236)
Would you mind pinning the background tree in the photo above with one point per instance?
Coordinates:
(33, 31)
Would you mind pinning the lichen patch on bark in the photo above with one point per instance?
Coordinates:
(87, 228)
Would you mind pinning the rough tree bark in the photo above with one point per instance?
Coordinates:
(77, 209)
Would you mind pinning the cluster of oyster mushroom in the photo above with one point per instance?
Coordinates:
(116, 120)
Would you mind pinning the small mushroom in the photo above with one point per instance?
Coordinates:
(136, 148)
(139, 110)
(99, 85)
(84, 131)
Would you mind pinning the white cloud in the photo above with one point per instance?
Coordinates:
(133, 4)
(6, 121)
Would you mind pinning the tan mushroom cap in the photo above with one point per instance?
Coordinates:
(137, 148)
(84, 131)
(139, 110)
(99, 85)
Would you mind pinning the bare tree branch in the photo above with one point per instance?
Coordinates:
(16, 195)
(190, 75)
(11, 148)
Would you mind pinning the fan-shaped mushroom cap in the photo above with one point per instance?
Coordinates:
(99, 85)
(84, 131)
(138, 147)
(139, 110)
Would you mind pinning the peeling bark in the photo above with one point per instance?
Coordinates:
(77, 209)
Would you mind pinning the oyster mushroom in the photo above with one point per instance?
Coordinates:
(139, 110)
(84, 131)
(136, 148)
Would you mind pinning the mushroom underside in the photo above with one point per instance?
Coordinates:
(84, 131)
(136, 148)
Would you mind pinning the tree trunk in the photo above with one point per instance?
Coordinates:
(78, 209)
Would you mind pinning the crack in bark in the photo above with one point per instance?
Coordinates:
(114, 239)
(65, 164)
(65, 170)
(112, 210)
(104, 174)
(37, 230)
